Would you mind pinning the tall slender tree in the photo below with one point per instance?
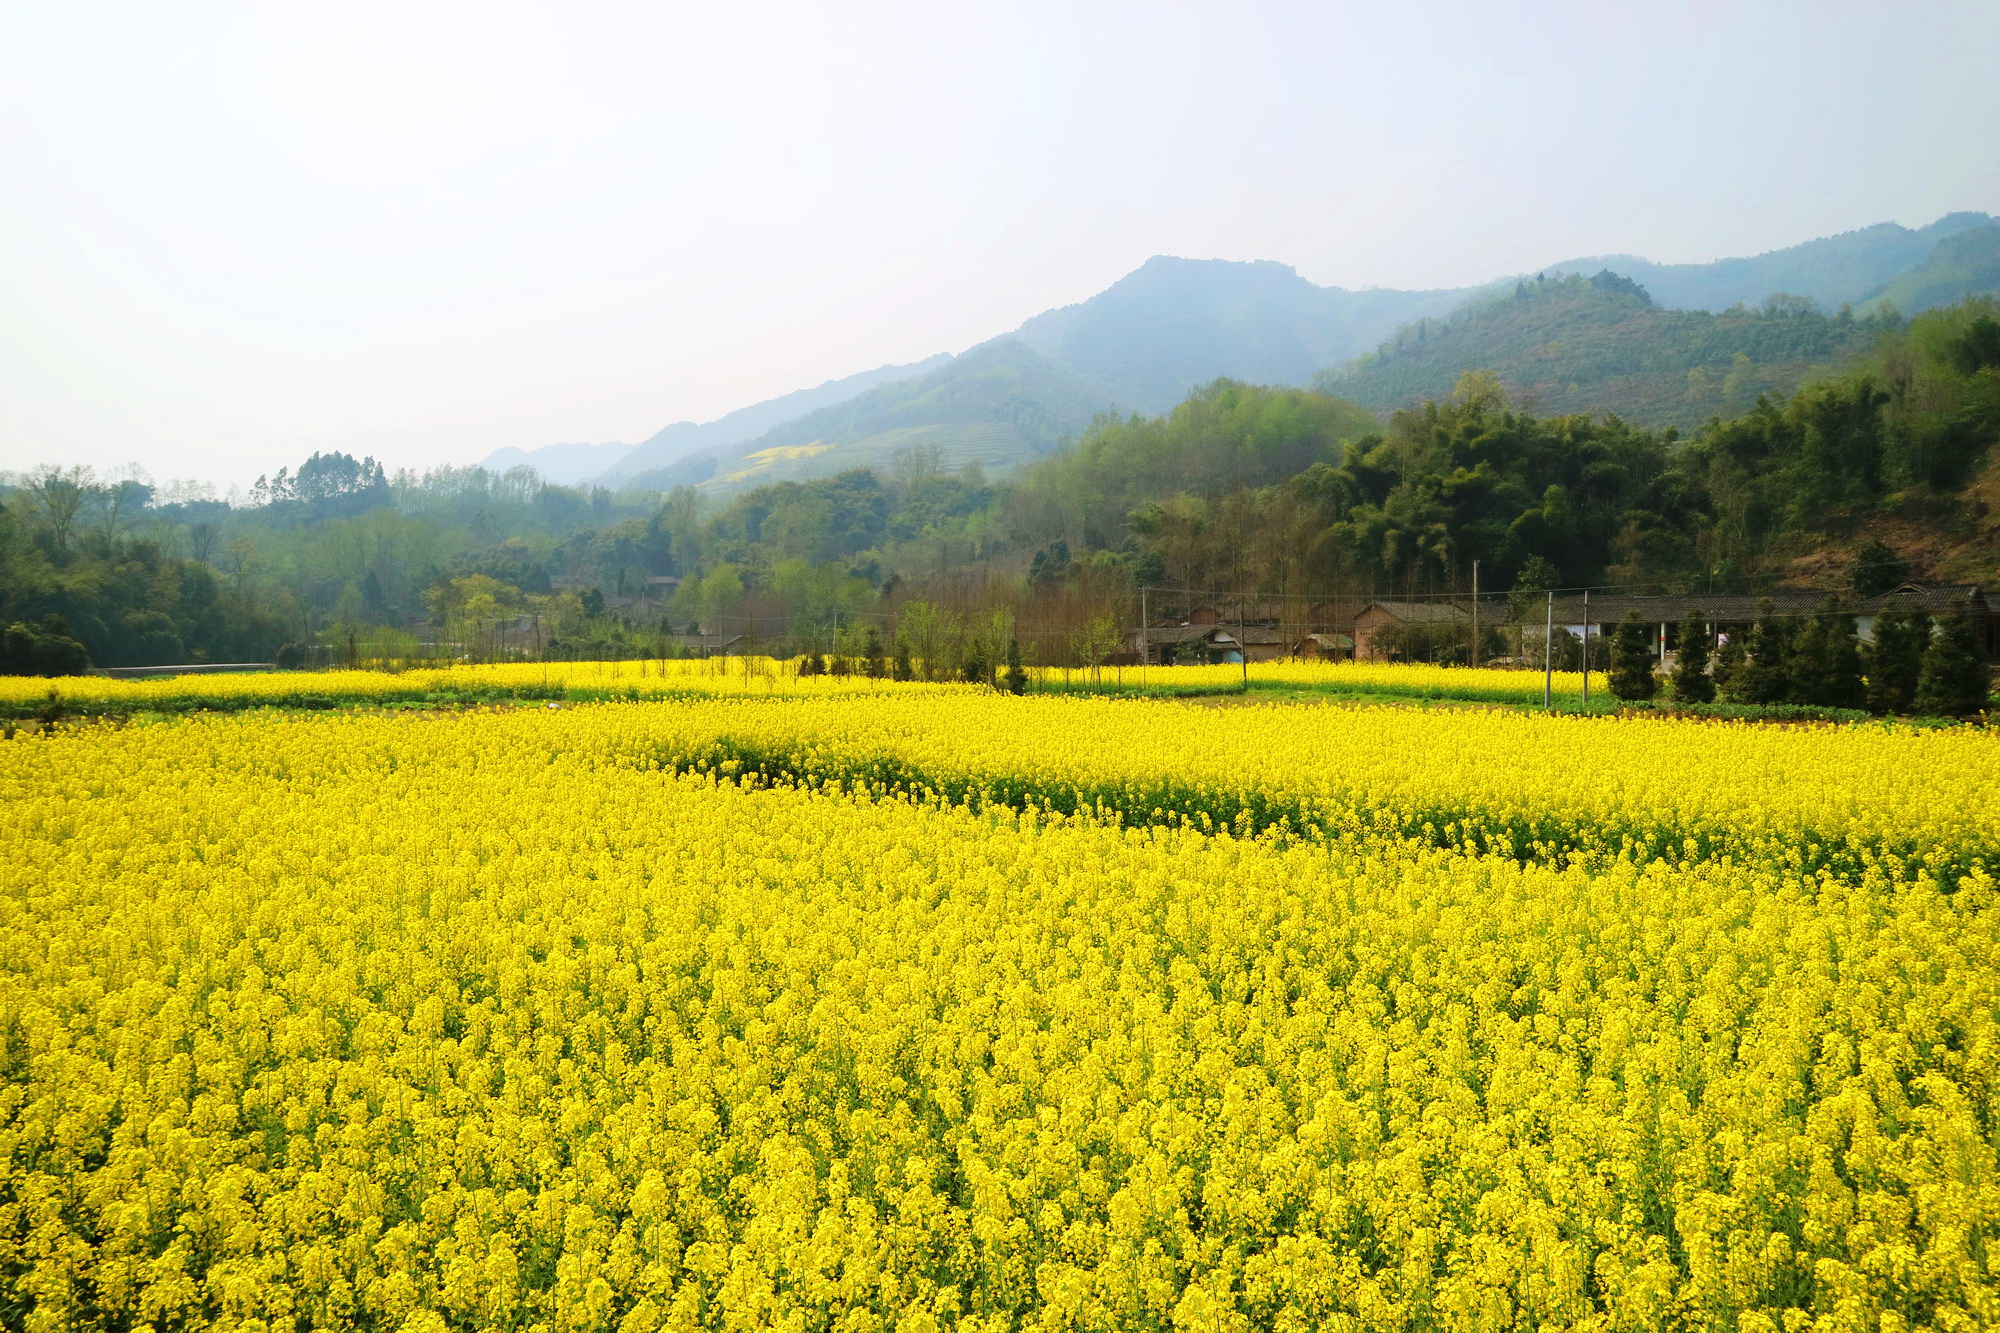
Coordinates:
(1955, 681)
(1632, 675)
(1766, 677)
(1897, 660)
(1692, 683)
(1732, 657)
(1826, 662)
(1016, 679)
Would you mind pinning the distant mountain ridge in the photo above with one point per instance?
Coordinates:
(1834, 270)
(565, 464)
(1607, 344)
(1173, 323)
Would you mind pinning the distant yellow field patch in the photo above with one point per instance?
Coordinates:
(783, 453)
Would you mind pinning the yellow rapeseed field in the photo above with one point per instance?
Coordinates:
(734, 677)
(685, 678)
(1410, 680)
(1527, 783)
(510, 1020)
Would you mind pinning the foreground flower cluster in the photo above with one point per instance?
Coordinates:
(494, 1021)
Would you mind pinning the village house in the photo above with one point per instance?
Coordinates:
(1193, 644)
(701, 645)
(1378, 618)
(1940, 599)
(1325, 647)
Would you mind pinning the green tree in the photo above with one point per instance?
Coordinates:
(1692, 683)
(978, 671)
(45, 649)
(921, 630)
(1954, 682)
(872, 664)
(1826, 662)
(1730, 660)
(1902, 633)
(1016, 679)
(903, 668)
(1528, 599)
(1632, 675)
(1097, 642)
(1876, 570)
(1766, 677)
(721, 590)
(58, 495)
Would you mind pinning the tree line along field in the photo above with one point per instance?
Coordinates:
(815, 1004)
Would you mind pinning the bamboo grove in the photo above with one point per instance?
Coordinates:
(817, 1007)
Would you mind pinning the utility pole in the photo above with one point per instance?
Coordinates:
(1472, 658)
(1145, 634)
(1242, 634)
(1549, 657)
(1586, 647)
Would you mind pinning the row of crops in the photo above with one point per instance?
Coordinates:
(721, 677)
(1522, 785)
(977, 1012)
(535, 682)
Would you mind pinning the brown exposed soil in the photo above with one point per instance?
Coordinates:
(1943, 542)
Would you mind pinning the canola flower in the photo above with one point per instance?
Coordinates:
(579, 681)
(368, 1021)
(1529, 785)
(1413, 680)
(730, 677)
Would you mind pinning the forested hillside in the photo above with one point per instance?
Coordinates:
(1882, 470)
(1962, 265)
(1601, 345)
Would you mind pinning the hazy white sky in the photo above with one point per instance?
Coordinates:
(233, 234)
